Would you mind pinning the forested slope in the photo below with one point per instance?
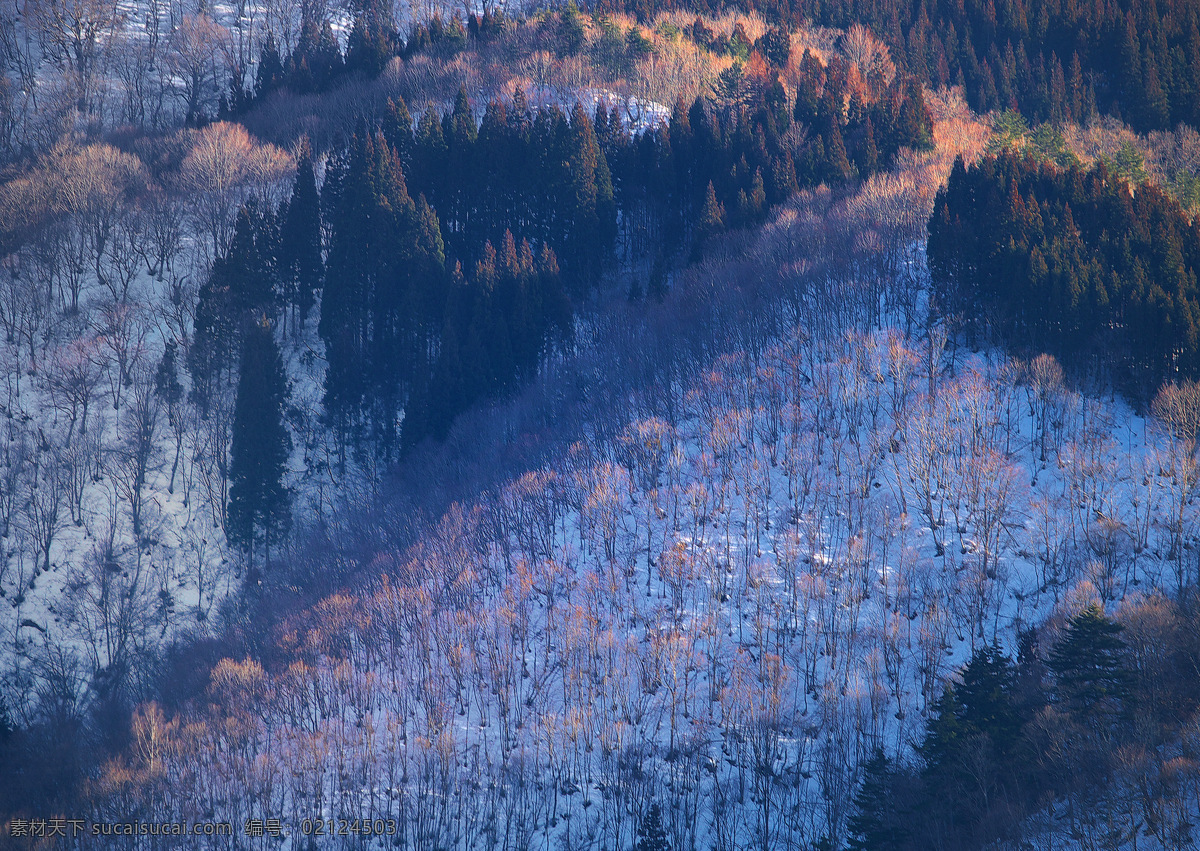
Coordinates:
(1054, 61)
(543, 429)
(1079, 263)
(724, 603)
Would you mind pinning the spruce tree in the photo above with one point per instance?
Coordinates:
(867, 158)
(259, 501)
(398, 130)
(326, 61)
(587, 201)
(270, 75)
(170, 391)
(712, 220)
(944, 734)
(369, 45)
(874, 825)
(652, 836)
(1090, 671)
(986, 693)
(240, 285)
(836, 167)
(571, 36)
(355, 253)
(166, 378)
(301, 265)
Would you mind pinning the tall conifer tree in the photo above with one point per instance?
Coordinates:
(301, 265)
(259, 501)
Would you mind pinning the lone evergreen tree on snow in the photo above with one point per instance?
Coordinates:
(259, 502)
(652, 835)
(170, 391)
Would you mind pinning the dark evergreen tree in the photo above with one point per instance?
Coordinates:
(970, 751)
(590, 214)
(836, 166)
(652, 836)
(259, 501)
(712, 220)
(1091, 675)
(570, 30)
(369, 45)
(398, 130)
(270, 74)
(166, 378)
(875, 823)
(775, 45)
(301, 265)
(986, 695)
(866, 155)
(170, 391)
(945, 733)
(240, 286)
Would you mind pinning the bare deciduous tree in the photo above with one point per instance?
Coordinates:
(72, 380)
(137, 450)
(43, 514)
(224, 167)
(74, 34)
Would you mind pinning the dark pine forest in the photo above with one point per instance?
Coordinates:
(457, 245)
(1076, 262)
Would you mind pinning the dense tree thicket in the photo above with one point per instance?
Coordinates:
(238, 290)
(724, 161)
(1053, 60)
(1055, 724)
(1074, 262)
(455, 247)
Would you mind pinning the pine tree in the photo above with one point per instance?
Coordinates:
(270, 75)
(867, 157)
(166, 378)
(944, 734)
(240, 285)
(836, 167)
(570, 32)
(170, 391)
(652, 836)
(327, 60)
(358, 240)
(301, 265)
(986, 694)
(1089, 667)
(369, 45)
(874, 825)
(461, 177)
(398, 130)
(712, 220)
(259, 501)
(587, 201)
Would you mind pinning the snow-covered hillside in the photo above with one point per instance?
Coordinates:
(723, 614)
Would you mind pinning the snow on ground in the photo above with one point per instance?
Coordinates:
(638, 115)
(724, 614)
